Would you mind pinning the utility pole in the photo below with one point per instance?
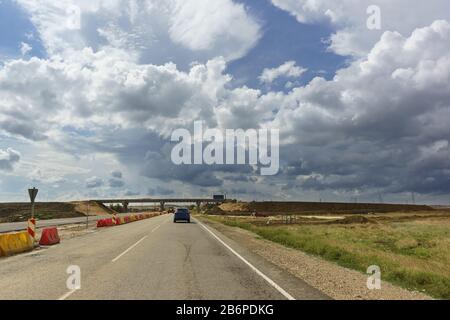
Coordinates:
(87, 215)
(380, 197)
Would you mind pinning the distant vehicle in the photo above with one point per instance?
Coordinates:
(182, 215)
(171, 210)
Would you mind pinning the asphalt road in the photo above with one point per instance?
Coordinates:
(149, 259)
(19, 226)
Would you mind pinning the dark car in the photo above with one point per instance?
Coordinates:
(182, 215)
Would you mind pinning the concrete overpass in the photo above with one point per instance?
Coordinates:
(161, 201)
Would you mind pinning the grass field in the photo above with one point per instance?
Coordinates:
(412, 253)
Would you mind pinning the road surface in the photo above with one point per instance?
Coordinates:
(19, 226)
(149, 259)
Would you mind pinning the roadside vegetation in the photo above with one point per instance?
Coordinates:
(414, 254)
(17, 212)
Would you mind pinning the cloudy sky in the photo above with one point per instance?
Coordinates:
(87, 106)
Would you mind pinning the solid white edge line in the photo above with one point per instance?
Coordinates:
(68, 294)
(129, 249)
(270, 281)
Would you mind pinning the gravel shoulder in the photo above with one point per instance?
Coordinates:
(335, 281)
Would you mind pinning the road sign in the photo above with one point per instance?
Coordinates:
(33, 193)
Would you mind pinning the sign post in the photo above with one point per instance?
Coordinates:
(32, 222)
(87, 215)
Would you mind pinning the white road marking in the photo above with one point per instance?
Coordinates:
(159, 226)
(71, 292)
(156, 228)
(68, 294)
(129, 249)
(134, 245)
(270, 281)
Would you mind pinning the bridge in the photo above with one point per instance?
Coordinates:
(126, 202)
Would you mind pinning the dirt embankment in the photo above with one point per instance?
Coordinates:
(282, 208)
(17, 212)
(92, 208)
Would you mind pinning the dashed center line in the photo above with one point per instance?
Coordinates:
(129, 249)
(68, 294)
(134, 245)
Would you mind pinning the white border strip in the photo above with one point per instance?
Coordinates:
(270, 281)
(129, 249)
(68, 294)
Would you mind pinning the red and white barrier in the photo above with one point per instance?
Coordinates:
(32, 228)
(49, 237)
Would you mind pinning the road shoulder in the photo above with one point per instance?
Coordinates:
(295, 286)
(330, 279)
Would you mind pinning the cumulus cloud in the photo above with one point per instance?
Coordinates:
(288, 69)
(25, 48)
(348, 136)
(8, 158)
(220, 25)
(380, 124)
(352, 37)
(200, 29)
(115, 91)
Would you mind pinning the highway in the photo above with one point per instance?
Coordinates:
(150, 259)
(19, 226)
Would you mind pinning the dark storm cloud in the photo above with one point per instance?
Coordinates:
(94, 182)
(160, 191)
(116, 183)
(117, 174)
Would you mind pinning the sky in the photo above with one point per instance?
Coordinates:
(92, 90)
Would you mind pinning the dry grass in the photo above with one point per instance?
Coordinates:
(413, 252)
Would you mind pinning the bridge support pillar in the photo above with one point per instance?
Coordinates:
(125, 207)
(198, 206)
(162, 203)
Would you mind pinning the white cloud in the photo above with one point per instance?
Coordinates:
(200, 29)
(219, 25)
(25, 48)
(381, 123)
(8, 158)
(349, 17)
(288, 69)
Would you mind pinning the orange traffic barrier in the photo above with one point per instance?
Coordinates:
(13, 243)
(105, 223)
(49, 237)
